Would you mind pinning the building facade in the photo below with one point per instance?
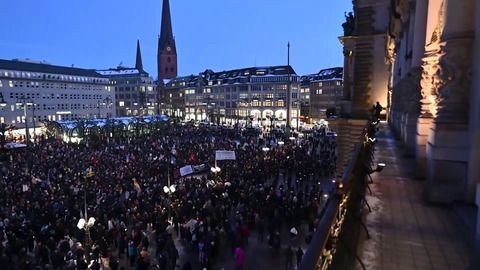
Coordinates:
(135, 91)
(52, 93)
(321, 94)
(433, 94)
(256, 96)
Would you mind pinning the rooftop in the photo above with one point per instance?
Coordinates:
(32, 66)
(335, 73)
(232, 76)
(121, 71)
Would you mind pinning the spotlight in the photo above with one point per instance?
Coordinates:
(380, 167)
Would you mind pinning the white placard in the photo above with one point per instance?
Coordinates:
(225, 155)
(186, 170)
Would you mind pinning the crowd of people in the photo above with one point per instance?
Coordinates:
(45, 189)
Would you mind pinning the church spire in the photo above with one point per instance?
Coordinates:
(138, 61)
(166, 32)
(167, 51)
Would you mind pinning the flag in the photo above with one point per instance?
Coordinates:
(136, 186)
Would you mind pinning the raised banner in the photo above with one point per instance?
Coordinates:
(225, 155)
(200, 168)
(186, 170)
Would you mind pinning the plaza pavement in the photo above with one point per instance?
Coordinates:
(408, 233)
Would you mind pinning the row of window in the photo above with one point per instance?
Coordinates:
(133, 88)
(50, 117)
(17, 95)
(234, 104)
(243, 88)
(28, 84)
(42, 76)
(58, 106)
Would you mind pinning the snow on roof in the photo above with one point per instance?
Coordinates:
(112, 72)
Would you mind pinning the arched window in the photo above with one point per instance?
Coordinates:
(171, 69)
(169, 60)
(166, 69)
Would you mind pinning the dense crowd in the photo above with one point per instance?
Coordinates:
(44, 189)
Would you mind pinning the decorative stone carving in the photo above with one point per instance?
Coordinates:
(349, 25)
(437, 33)
(406, 94)
(430, 67)
(454, 77)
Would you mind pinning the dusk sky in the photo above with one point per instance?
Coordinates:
(214, 34)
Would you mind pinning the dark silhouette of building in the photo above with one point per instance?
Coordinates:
(167, 51)
(138, 59)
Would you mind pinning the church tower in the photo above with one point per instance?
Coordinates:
(138, 59)
(167, 51)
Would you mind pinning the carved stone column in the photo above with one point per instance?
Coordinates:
(474, 159)
(448, 141)
(430, 66)
(418, 48)
(427, 106)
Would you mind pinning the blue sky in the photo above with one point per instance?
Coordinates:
(214, 34)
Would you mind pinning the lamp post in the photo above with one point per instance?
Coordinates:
(169, 189)
(23, 101)
(86, 223)
(215, 170)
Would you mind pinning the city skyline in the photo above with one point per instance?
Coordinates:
(256, 34)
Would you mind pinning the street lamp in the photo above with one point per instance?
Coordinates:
(215, 169)
(169, 189)
(86, 223)
(23, 101)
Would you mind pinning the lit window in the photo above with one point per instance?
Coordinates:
(319, 91)
(121, 103)
(10, 83)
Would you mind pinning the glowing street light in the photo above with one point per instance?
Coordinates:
(265, 149)
(215, 169)
(169, 189)
(281, 143)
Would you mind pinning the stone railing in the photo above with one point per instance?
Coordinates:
(343, 204)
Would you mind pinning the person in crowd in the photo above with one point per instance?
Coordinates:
(45, 191)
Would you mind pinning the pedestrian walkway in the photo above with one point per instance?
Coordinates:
(406, 232)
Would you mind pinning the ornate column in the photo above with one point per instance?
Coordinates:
(430, 66)
(474, 159)
(421, 13)
(448, 140)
